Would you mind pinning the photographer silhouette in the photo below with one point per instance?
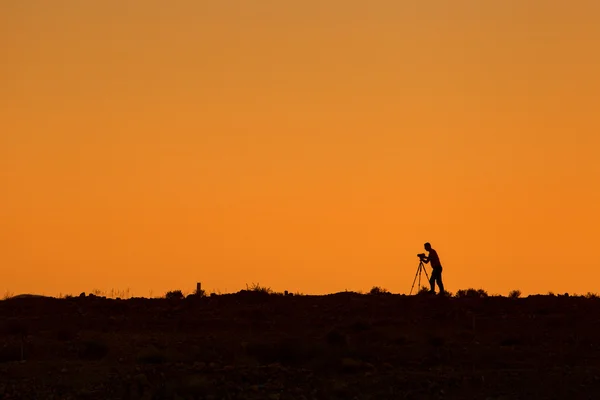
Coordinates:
(436, 267)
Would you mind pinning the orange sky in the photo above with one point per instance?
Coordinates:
(309, 145)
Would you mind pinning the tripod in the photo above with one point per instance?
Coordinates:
(420, 268)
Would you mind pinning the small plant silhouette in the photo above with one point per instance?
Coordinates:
(174, 295)
(514, 294)
(472, 293)
(255, 287)
(424, 290)
(376, 290)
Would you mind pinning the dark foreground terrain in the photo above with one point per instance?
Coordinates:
(342, 346)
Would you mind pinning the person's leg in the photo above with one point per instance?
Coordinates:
(440, 283)
(432, 281)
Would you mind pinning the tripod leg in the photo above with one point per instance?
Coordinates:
(422, 267)
(415, 280)
(426, 273)
(428, 279)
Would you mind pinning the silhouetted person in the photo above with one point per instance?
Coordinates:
(436, 266)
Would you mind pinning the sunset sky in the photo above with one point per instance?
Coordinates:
(309, 146)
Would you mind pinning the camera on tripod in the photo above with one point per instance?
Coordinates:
(421, 256)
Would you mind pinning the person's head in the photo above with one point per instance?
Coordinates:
(427, 246)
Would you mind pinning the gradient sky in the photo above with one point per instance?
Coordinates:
(309, 145)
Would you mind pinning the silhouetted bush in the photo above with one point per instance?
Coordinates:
(376, 290)
(471, 293)
(514, 294)
(255, 287)
(424, 291)
(174, 295)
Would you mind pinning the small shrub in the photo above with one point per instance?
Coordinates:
(472, 293)
(591, 295)
(174, 295)
(124, 294)
(376, 290)
(514, 294)
(255, 287)
(424, 290)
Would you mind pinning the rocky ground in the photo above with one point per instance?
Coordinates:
(341, 346)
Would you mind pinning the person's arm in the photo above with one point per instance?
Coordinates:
(426, 260)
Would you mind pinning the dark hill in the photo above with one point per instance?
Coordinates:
(257, 346)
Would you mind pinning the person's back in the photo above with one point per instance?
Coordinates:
(434, 259)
